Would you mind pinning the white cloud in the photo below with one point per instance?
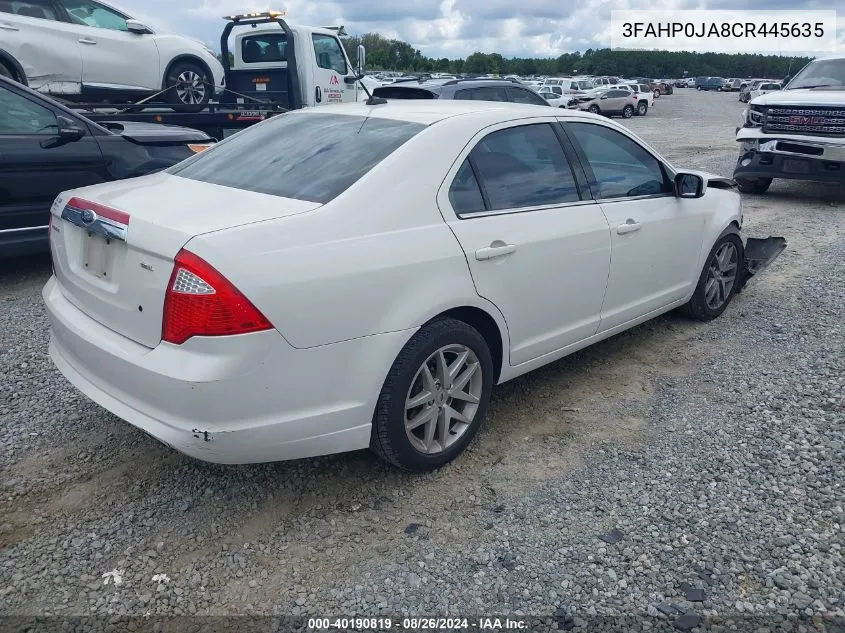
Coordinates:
(450, 28)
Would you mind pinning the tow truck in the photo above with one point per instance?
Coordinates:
(275, 67)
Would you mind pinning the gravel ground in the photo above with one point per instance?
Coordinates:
(679, 468)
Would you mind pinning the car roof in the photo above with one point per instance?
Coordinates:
(430, 111)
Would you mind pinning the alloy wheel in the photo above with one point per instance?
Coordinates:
(190, 87)
(443, 399)
(721, 275)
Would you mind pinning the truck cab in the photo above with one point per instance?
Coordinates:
(275, 61)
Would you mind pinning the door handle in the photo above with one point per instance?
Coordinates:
(496, 249)
(8, 27)
(628, 227)
(85, 40)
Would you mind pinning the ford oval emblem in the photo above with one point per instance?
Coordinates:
(88, 216)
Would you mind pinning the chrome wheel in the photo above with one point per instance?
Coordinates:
(190, 87)
(721, 275)
(443, 399)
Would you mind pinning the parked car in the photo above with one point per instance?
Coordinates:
(690, 83)
(712, 83)
(732, 85)
(86, 50)
(662, 88)
(46, 148)
(555, 99)
(184, 327)
(745, 93)
(465, 89)
(645, 97)
(617, 100)
(763, 88)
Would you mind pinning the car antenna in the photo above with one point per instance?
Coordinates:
(372, 100)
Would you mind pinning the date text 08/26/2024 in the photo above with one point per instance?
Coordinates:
(418, 624)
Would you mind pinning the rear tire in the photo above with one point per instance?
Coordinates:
(418, 373)
(719, 280)
(628, 111)
(642, 108)
(756, 186)
(189, 87)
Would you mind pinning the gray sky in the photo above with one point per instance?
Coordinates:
(449, 28)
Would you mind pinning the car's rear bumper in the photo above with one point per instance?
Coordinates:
(237, 399)
(14, 243)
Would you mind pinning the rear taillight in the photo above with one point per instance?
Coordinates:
(202, 302)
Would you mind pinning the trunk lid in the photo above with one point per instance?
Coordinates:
(113, 245)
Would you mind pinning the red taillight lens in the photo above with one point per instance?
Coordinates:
(202, 302)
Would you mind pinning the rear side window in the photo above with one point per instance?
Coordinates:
(266, 47)
(396, 92)
(313, 157)
(489, 93)
(523, 166)
(465, 194)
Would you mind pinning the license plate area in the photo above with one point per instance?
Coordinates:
(98, 255)
(796, 166)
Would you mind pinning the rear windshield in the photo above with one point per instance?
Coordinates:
(313, 157)
(265, 47)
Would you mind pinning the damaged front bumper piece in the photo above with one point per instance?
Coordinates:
(759, 253)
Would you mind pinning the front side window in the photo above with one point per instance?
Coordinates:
(29, 8)
(329, 53)
(93, 14)
(521, 95)
(523, 166)
(306, 156)
(267, 47)
(621, 167)
(20, 116)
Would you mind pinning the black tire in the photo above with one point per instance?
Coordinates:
(389, 439)
(697, 307)
(756, 186)
(594, 109)
(628, 111)
(642, 108)
(181, 76)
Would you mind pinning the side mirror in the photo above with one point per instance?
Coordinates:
(689, 185)
(69, 130)
(361, 60)
(604, 97)
(137, 27)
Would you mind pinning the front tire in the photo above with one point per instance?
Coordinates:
(189, 87)
(642, 108)
(719, 280)
(756, 186)
(628, 111)
(435, 397)
(594, 109)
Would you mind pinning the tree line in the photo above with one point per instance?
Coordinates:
(396, 55)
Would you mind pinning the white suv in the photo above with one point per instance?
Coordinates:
(86, 50)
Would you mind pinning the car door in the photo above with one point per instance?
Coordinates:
(113, 58)
(334, 80)
(656, 236)
(614, 100)
(35, 164)
(47, 48)
(536, 248)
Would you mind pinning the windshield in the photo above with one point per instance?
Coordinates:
(313, 157)
(820, 73)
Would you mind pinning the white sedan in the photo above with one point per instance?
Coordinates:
(359, 276)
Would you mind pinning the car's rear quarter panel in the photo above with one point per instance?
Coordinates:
(377, 259)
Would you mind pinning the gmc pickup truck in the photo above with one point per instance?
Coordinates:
(796, 133)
